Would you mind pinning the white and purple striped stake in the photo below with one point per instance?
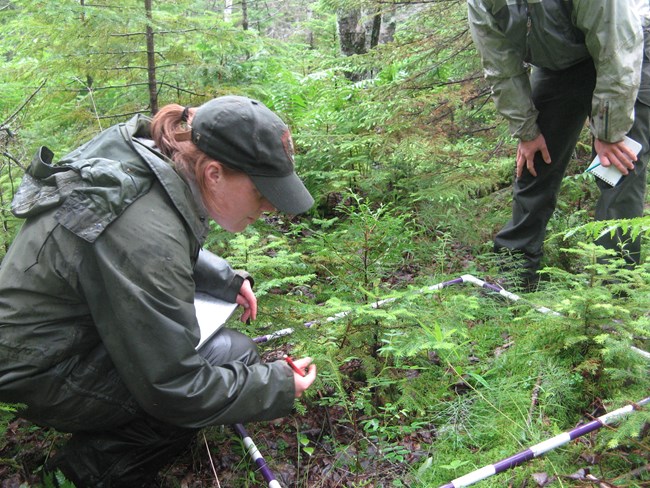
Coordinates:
(462, 279)
(542, 447)
(254, 453)
(340, 315)
(274, 335)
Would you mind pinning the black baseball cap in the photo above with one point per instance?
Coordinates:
(245, 135)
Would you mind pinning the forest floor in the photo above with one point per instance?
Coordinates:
(218, 458)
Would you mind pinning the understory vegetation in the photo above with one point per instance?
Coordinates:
(411, 170)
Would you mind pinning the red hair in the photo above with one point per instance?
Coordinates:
(166, 127)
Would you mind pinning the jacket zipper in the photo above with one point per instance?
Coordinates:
(529, 28)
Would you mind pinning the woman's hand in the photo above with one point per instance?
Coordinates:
(246, 298)
(304, 382)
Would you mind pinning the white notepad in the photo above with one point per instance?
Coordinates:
(211, 314)
(611, 174)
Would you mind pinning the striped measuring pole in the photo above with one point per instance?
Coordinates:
(542, 447)
(467, 278)
(254, 453)
(345, 313)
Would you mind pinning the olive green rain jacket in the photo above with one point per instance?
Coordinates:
(557, 34)
(96, 297)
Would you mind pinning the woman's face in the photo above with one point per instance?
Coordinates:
(234, 202)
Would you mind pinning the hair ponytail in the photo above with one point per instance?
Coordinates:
(167, 131)
(170, 131)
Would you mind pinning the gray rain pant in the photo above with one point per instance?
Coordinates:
(563, 99)
(131, 454)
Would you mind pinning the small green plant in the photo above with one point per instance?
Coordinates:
(605, 315)
(7, 412)
(56, 480)
(305, 444)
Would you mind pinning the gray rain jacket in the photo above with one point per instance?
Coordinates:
(557, 34)
(96, 296)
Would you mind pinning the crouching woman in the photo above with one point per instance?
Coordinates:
(98, 330)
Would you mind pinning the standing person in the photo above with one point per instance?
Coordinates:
(98, 329)
(587, 60)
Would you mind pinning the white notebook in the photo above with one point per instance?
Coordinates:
(211, 314)
(611, 174)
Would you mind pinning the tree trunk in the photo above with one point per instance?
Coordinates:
(390, 24)
(151, 60)
(376, 29)
(244, 14)
(352, 35)
(227, 11)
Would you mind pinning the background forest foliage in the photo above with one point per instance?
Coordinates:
(411, 170)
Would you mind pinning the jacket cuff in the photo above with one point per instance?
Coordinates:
(246, 275)
(528, 133)
(214, 276)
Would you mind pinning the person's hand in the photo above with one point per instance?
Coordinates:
(303, 382)
(526, 151)
(246, 298)
(616, 153)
